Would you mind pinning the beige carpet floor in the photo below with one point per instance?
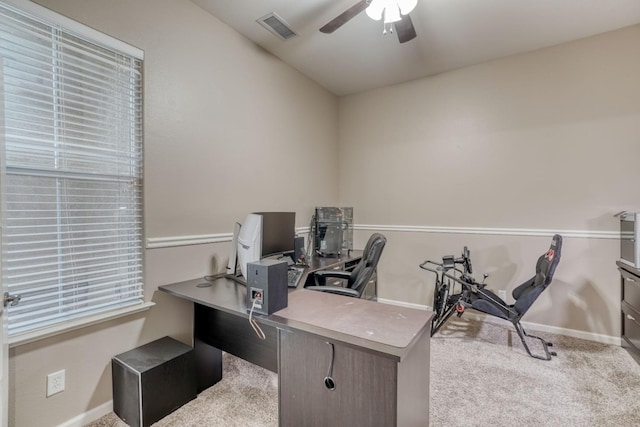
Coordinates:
(480, 376)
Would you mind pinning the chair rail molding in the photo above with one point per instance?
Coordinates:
(203, 239)
(583, 234)
(200, 239)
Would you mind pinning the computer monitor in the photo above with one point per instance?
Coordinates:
(278, 233)
(264, 234)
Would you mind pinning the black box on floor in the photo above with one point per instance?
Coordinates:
(153, 380)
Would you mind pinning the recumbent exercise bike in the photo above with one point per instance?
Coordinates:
(456, 290)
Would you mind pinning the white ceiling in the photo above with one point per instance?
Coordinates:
(451, 34)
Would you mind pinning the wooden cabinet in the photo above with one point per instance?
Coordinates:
(371, 389)
(362, 381)
(630, 309)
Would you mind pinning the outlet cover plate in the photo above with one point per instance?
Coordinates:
(55, 382)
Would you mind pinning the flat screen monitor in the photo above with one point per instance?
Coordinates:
(278, 233)
(264, 234)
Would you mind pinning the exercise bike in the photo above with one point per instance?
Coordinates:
(456, 290)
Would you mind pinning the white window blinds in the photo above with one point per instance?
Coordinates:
(72, 184)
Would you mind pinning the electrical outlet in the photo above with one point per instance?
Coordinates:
(257, 294)
(503, 295)
(55, 382)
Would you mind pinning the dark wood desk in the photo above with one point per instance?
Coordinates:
(381, 353)
(221, 320)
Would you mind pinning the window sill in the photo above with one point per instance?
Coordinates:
(39, 334)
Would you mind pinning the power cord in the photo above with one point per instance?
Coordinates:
(213, 277)
(254, 324)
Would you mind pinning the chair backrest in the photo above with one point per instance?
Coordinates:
(530, 290)
(363, 271)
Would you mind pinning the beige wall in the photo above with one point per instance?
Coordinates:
(547, 139)
(229, 129)
(543, 141)
(212, 98)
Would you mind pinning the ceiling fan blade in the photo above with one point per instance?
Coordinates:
(344, 17)
(405, 30)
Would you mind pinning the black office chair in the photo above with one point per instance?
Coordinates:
(358, 278)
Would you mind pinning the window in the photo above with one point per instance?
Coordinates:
(72, 178)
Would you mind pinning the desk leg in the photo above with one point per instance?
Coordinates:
(208, 364)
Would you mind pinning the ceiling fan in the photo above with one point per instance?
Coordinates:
(394, 12)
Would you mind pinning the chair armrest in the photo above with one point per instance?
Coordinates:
(320, 277)
(338, 274)
(335, 290)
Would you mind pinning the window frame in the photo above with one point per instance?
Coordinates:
(95, 37)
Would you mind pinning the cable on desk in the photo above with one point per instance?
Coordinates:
(209, 279)
(254, 324)
(213, 277)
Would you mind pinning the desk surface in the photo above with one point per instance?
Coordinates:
(227, 295)
(384, 329)
(383, 323)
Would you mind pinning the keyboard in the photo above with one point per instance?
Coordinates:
(293, 277)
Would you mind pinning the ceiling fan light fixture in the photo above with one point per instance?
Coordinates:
(392, 14)
(390, 9)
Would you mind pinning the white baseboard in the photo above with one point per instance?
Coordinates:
(589, 336)
(403, 304)
(89, 416)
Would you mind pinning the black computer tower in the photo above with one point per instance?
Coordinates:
(333, 231)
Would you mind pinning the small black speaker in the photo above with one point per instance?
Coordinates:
(298, 251)
(267, 290)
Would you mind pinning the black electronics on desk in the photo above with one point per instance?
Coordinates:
(299, 255)
(267, 290)
(261, 235)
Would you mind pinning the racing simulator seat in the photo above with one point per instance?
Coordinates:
(474, 295)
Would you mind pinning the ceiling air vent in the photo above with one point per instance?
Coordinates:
(277, 26)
